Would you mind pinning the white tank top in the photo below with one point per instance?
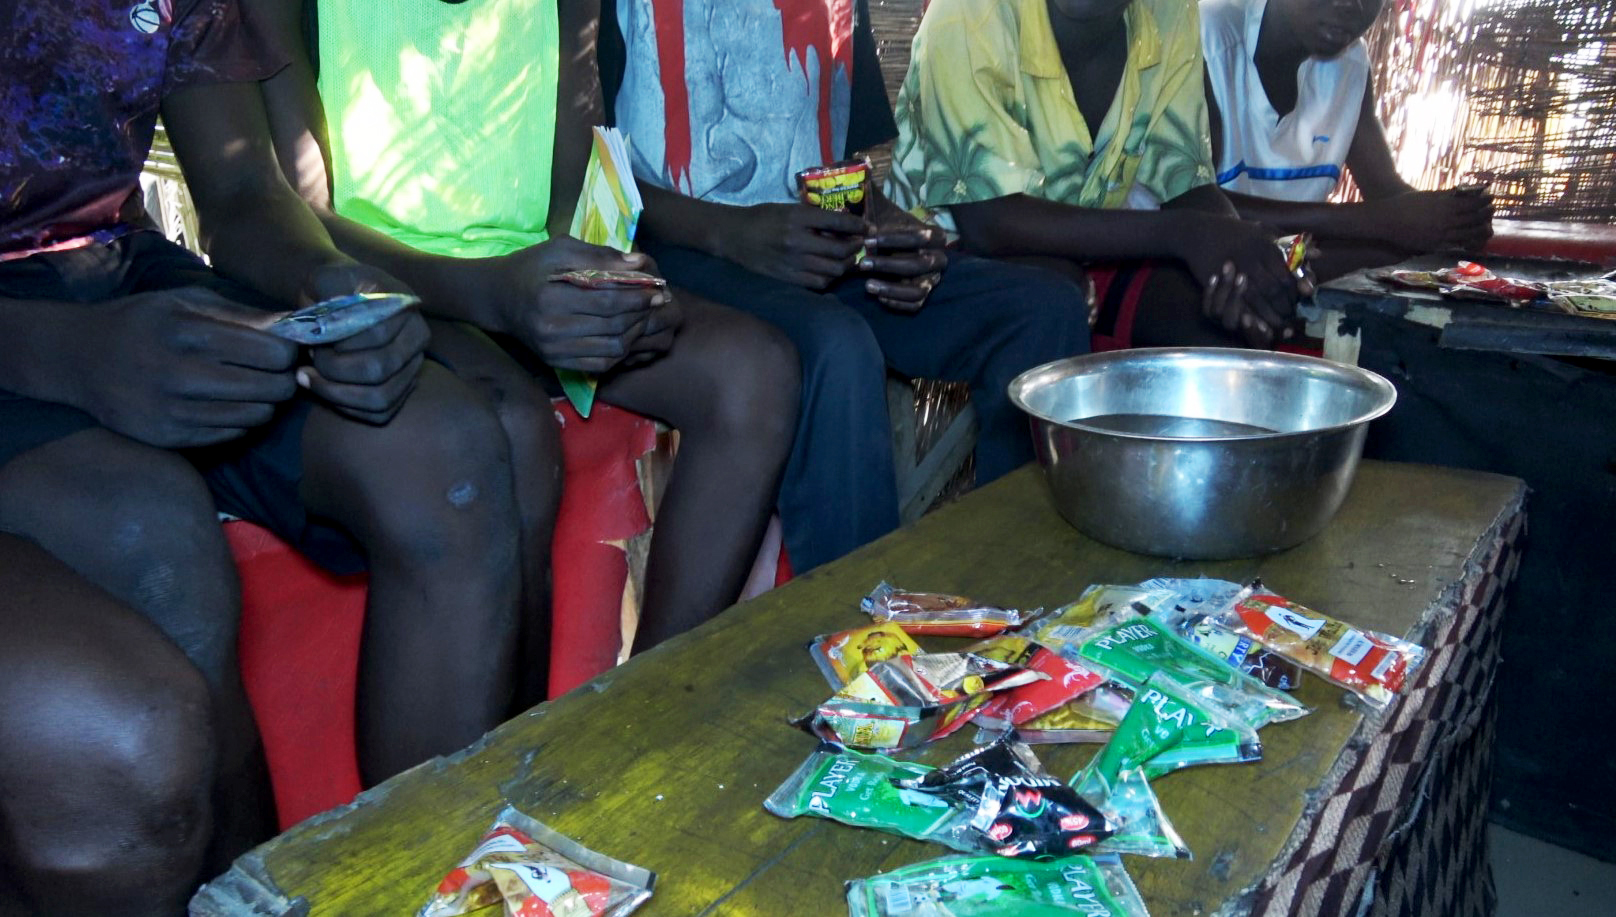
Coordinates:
(1301, 156)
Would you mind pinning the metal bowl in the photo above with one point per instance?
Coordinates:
(1200, 453)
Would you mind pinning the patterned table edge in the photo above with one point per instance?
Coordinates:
(1346, 831)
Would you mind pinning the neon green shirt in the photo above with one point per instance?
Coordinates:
(987, 111)
(442, 119)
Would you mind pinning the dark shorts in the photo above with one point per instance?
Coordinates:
(256, 477)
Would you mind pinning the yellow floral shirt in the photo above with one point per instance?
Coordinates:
(987, 111)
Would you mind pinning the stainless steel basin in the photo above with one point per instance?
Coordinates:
(1200, 453)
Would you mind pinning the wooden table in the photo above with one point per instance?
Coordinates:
(1473, 325)
(665, 761)
(1532, 395)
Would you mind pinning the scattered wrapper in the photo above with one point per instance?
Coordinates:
(1020, 810)
(531, 870)
(1372, 665)
(989, 886)
(938, 615)
(911, 700)
(1064, 681)
(845, 655)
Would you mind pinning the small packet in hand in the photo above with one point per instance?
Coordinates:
(534, 871)
(936, 614)
(843, 186)
(339, 318)
(609, 280)
(839, 186)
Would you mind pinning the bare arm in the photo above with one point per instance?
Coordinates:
(221, 137)
(1370, 157)
(1023, 225)
(1198, 229)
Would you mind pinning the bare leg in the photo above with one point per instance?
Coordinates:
(430, 498)
(730, 387)
(534, 437)
(106, 750)
(139, 523)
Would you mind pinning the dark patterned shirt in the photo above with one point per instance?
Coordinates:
(80, 86)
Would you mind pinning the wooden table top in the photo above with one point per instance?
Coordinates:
(1479, 325)
(665, 762)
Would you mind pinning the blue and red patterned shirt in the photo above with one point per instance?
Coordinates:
(80, 86)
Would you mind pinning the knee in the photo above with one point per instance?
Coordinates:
(1052, 307)
(533, 435)
(838, 347)
(141, 518)
(757, 388)
(140, 759)
(447, 478)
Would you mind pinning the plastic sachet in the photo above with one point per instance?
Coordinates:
(1017, 808)
(989, 886)
(1372, 665)
(937, 614)
(857, 789)
(845, 655)
(535, 871)
(1132, 649)
(340, 318)
(1091, 717)
(1067, 627)
(910, 700)
(1066, 680)
(595, 279)
(1195, 617)
(1168, 727)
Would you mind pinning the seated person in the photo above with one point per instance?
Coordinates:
(1074, 132)
(726, 101)
(453, 161)
(139, 395)
(1292, 107)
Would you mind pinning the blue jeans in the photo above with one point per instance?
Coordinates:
(984, 323)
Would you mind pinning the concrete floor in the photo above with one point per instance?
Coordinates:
(1536, 879)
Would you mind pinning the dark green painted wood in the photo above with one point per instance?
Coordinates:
(664, 762)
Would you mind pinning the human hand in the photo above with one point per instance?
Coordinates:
(913, 261)
(573, 328)
(366, 376)
(182, 368)
(1459, 219)
(1247, 287)
(797, 243)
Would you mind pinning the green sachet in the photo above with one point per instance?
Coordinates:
(856, 789)
(1133, 649)
(1168, 728)
(989, 886)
